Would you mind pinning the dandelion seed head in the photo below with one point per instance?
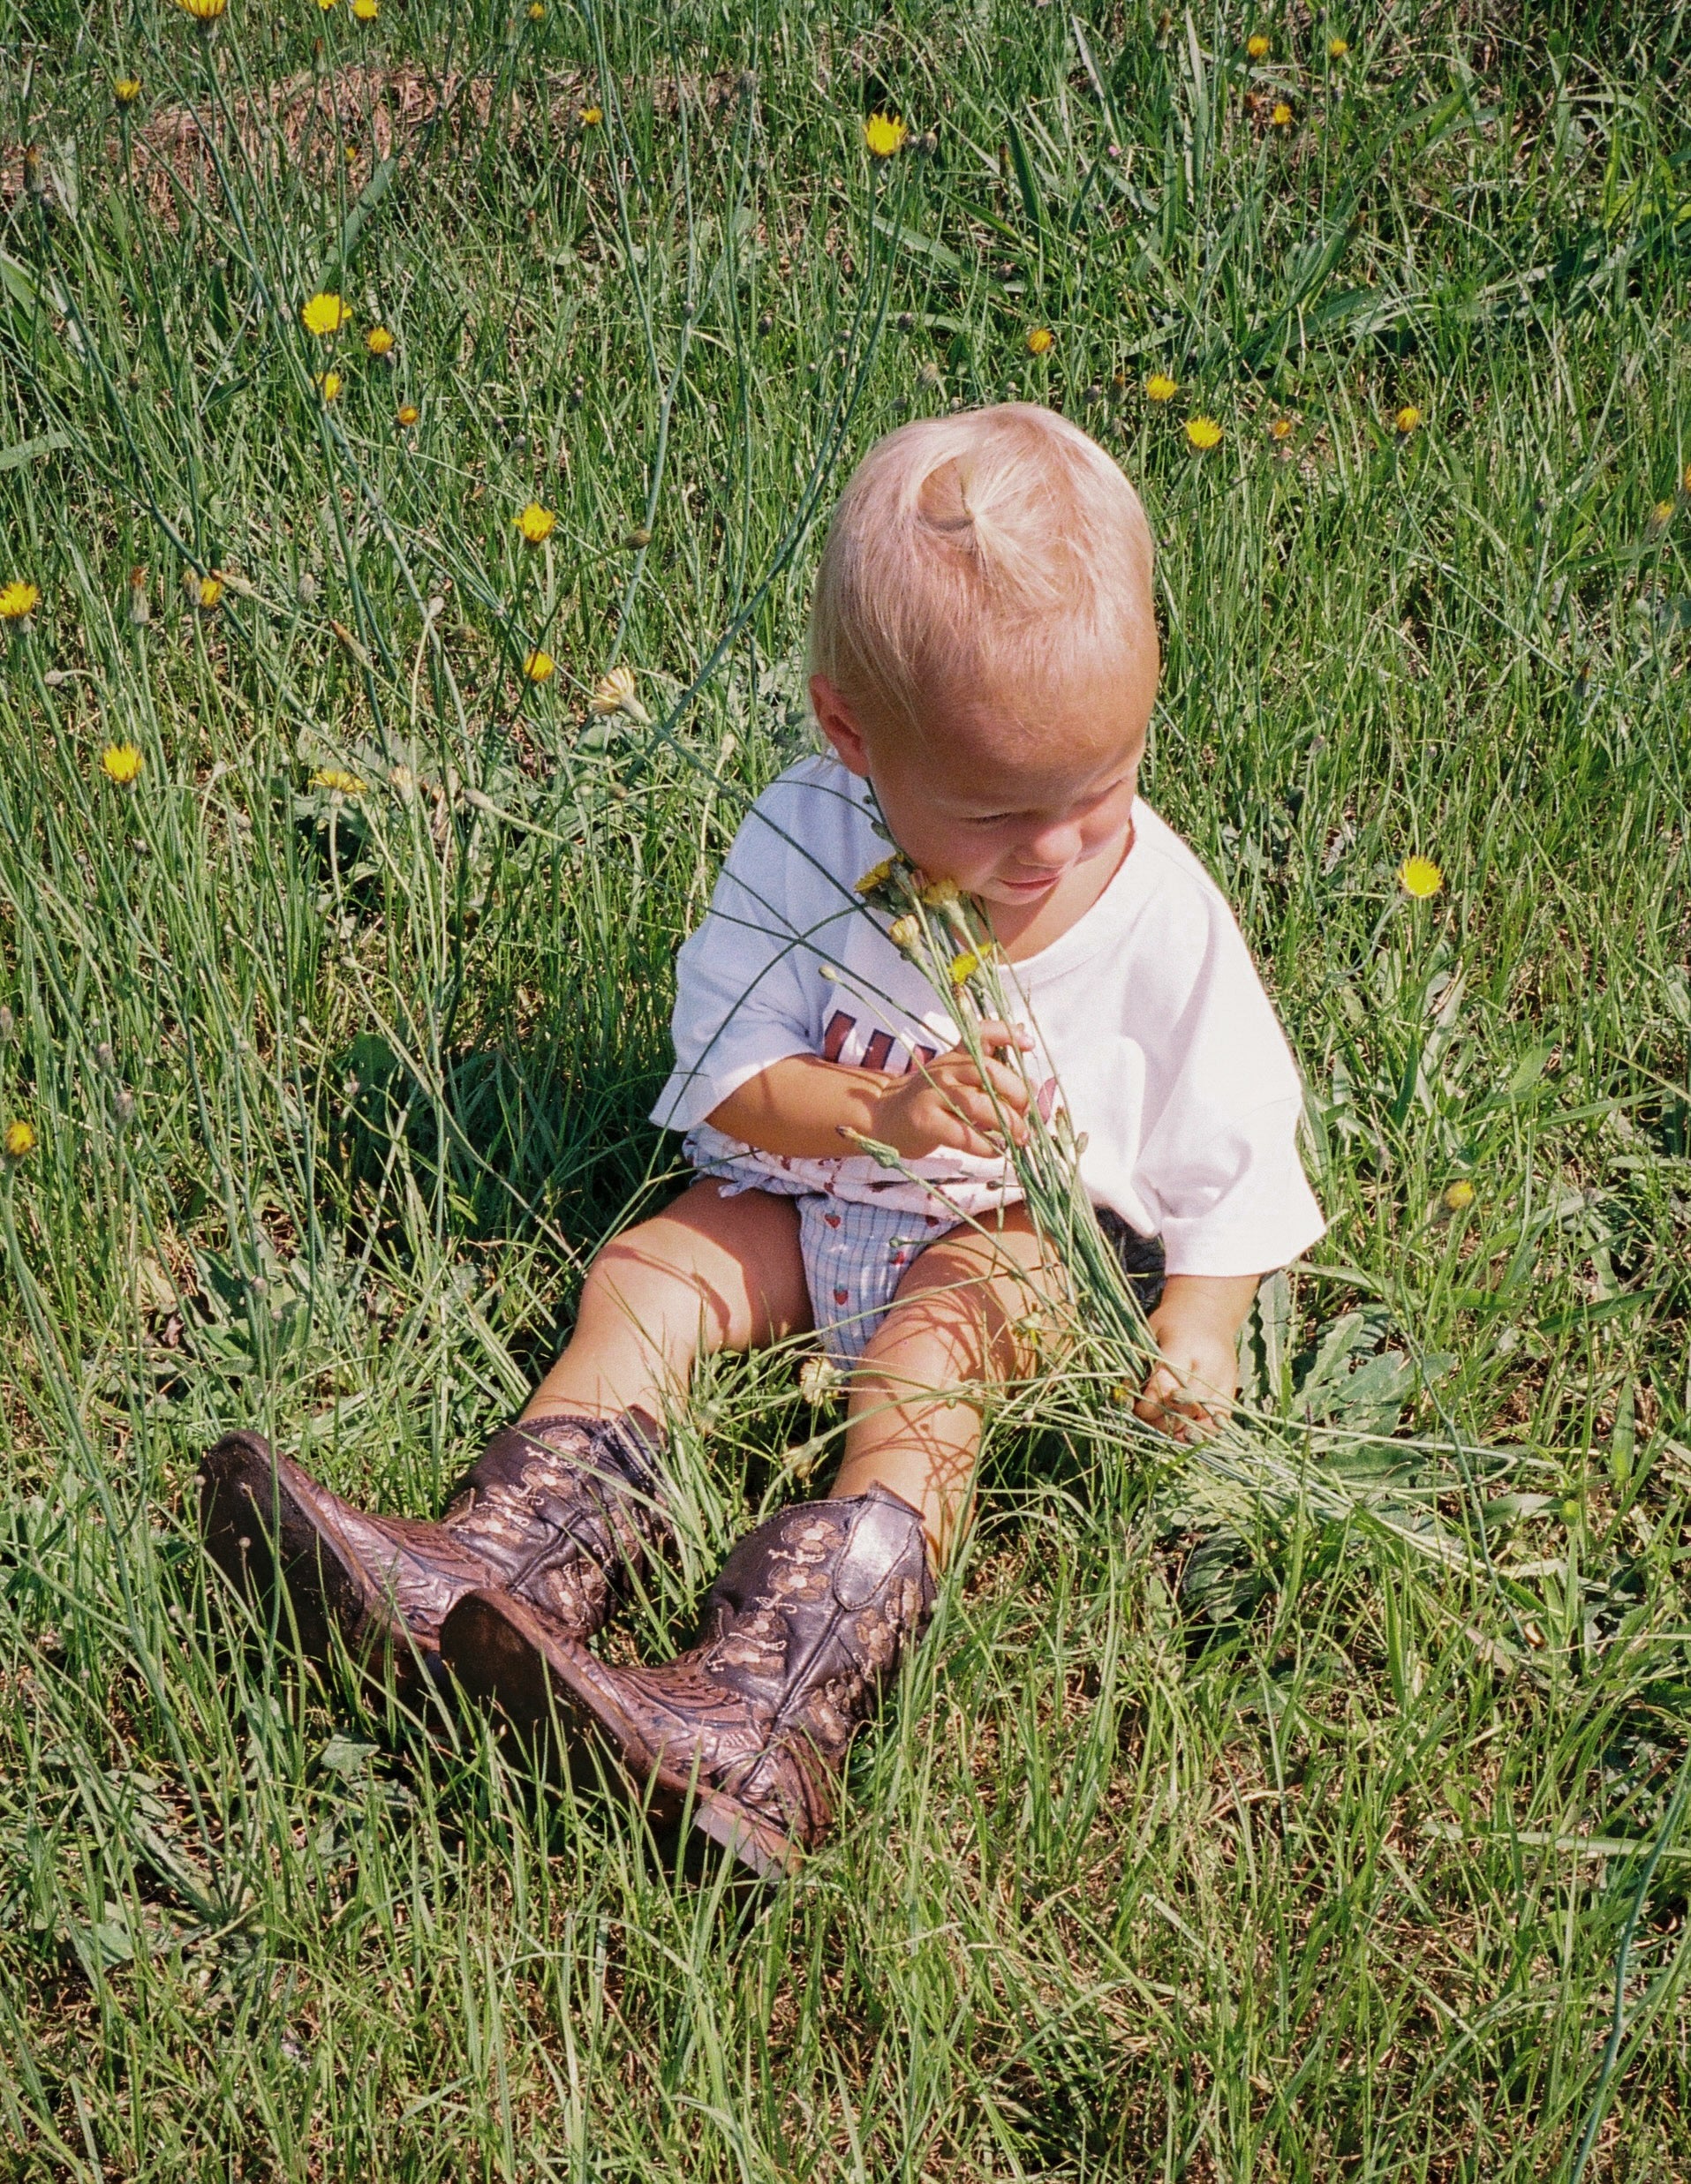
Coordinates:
(612, 692)
(905, 931)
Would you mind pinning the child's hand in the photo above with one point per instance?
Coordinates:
(947, 1106)
(1190, 1393)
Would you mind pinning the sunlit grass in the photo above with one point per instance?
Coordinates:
(1209, 1840)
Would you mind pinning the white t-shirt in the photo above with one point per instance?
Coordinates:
(1147, 1012)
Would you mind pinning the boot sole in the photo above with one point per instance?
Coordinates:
(501, 1652)
(265, 1526)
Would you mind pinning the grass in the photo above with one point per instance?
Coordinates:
(1195, 1848)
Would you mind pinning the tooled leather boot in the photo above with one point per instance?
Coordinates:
(562, 1512)
(803, 1629)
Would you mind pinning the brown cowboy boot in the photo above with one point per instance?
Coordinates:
(801, 1630)
(560, 1511)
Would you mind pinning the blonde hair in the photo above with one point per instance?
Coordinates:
(1001, 540)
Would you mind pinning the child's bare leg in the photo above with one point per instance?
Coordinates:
(709, 1273)
(961, 1323)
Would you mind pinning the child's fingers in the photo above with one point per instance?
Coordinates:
(995, 1033)
(1175, 1404)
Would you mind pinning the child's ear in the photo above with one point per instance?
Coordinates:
(836, 721)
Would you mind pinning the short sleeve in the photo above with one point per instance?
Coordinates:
(747, 982)
(1236, 1201)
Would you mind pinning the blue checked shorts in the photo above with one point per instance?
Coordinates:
(855, 1254)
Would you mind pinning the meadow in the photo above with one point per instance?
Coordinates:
(336, 926)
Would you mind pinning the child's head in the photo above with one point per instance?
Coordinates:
(984, 645)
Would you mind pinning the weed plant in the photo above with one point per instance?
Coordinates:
(1212, 1840)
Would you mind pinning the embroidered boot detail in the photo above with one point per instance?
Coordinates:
(800, 1634)
(562, 1512)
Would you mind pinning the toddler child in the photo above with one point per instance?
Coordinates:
(984, 662)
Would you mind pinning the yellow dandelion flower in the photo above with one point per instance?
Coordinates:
(1203, 433)
(17, 599)
(203, 10)
(379, 341)
(1257, 46)
(1459, 1197)
(1160, 387)
(1420, 877)
(338, 780)
(120, 762)
(1281, 116)
(884, 134)
(325, 313)
(325, 5)
(1337, 49)
(1661, 516)
(408, 413)
(962, 967)
(1685, 480)
(126, 90)
(1407, 420)
(905, 931)
(352, 154)
(591, 116)
(939, 892)
(329, 384)
(20, 1139)
(538, 666)
(537, 13)
(1041, 341)
(877, 876)
(366, 11)
(535, 523)
(1280, 428)
(208, 594)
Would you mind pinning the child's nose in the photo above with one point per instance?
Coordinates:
(1051, 848)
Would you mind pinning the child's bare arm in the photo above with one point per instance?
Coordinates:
(1197, 1326)
(806, 1108)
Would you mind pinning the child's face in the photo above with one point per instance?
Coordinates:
(1012, 800)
